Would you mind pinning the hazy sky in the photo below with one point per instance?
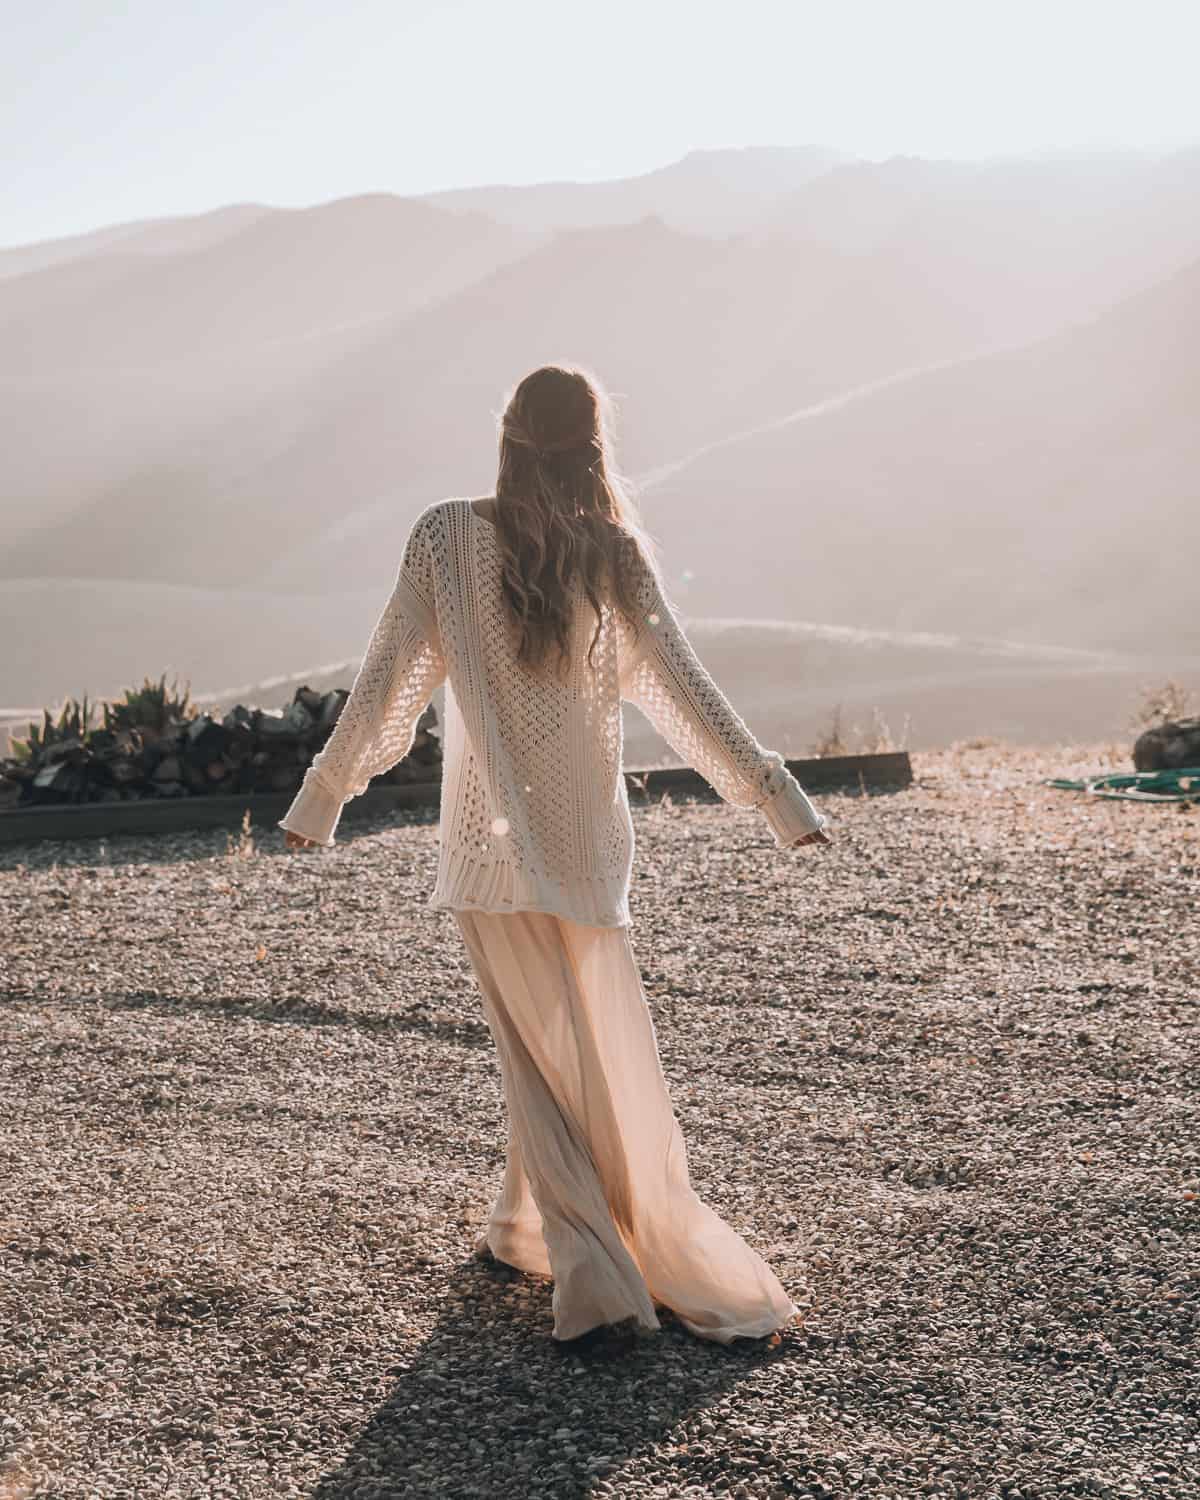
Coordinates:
(127, 110)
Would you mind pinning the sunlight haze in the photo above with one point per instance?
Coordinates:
(152, 109)
(897, 305)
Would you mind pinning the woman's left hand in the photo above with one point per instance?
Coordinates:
(298, 841)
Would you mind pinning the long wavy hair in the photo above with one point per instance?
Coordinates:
(564, 513)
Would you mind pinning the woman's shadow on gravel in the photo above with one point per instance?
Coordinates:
(486, 1407)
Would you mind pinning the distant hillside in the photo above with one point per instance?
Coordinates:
(909, 396)
(143, 236)
(85, 637)
(279, 278)
(1046, 493)
(786, 678)
(705, 192)
(267, 397)
(1024, 245)
(305, 462)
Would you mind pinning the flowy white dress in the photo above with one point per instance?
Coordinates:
(596, 1190)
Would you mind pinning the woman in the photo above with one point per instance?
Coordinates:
(542, 608)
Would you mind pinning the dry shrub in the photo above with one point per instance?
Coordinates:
(879, 739)
(832, 741)
(876, 739)
(243, 847)
(1161, 703)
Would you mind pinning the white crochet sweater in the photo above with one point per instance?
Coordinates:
(534, 810)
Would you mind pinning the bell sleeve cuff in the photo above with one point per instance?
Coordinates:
(790, 814)
(314, 812)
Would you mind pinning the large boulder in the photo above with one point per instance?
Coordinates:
(204, 741)
(331, 708)
(60, 781)
(1169, 747)
(239, 717)
(283, 727)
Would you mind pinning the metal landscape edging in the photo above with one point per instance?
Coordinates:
(73, 820)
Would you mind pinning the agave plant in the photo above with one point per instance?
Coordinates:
(152, 706)
(73, 723)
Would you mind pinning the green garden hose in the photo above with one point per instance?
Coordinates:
(1182, 785)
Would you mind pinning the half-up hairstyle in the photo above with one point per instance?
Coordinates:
(563, 512)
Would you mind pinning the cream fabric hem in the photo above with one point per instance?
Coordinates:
(596, 1191)
(467, 881)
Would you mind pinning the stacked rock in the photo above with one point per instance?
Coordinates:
(246, 750)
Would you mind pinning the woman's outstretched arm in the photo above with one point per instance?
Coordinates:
(665, 679)
(399, 673)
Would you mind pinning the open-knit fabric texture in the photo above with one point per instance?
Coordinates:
(534, 809)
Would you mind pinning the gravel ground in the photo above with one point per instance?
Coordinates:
(941, 1074)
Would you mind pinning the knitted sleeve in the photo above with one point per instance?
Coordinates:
(402, 667)
(664, 678)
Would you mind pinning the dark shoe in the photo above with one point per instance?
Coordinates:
(765, 1343)
(500, 1269)
(605, 1340)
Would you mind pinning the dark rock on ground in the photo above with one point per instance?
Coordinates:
(1169, 747)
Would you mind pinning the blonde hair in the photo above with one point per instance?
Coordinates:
(564, 511)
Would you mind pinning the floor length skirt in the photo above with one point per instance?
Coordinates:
(596, 1191)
